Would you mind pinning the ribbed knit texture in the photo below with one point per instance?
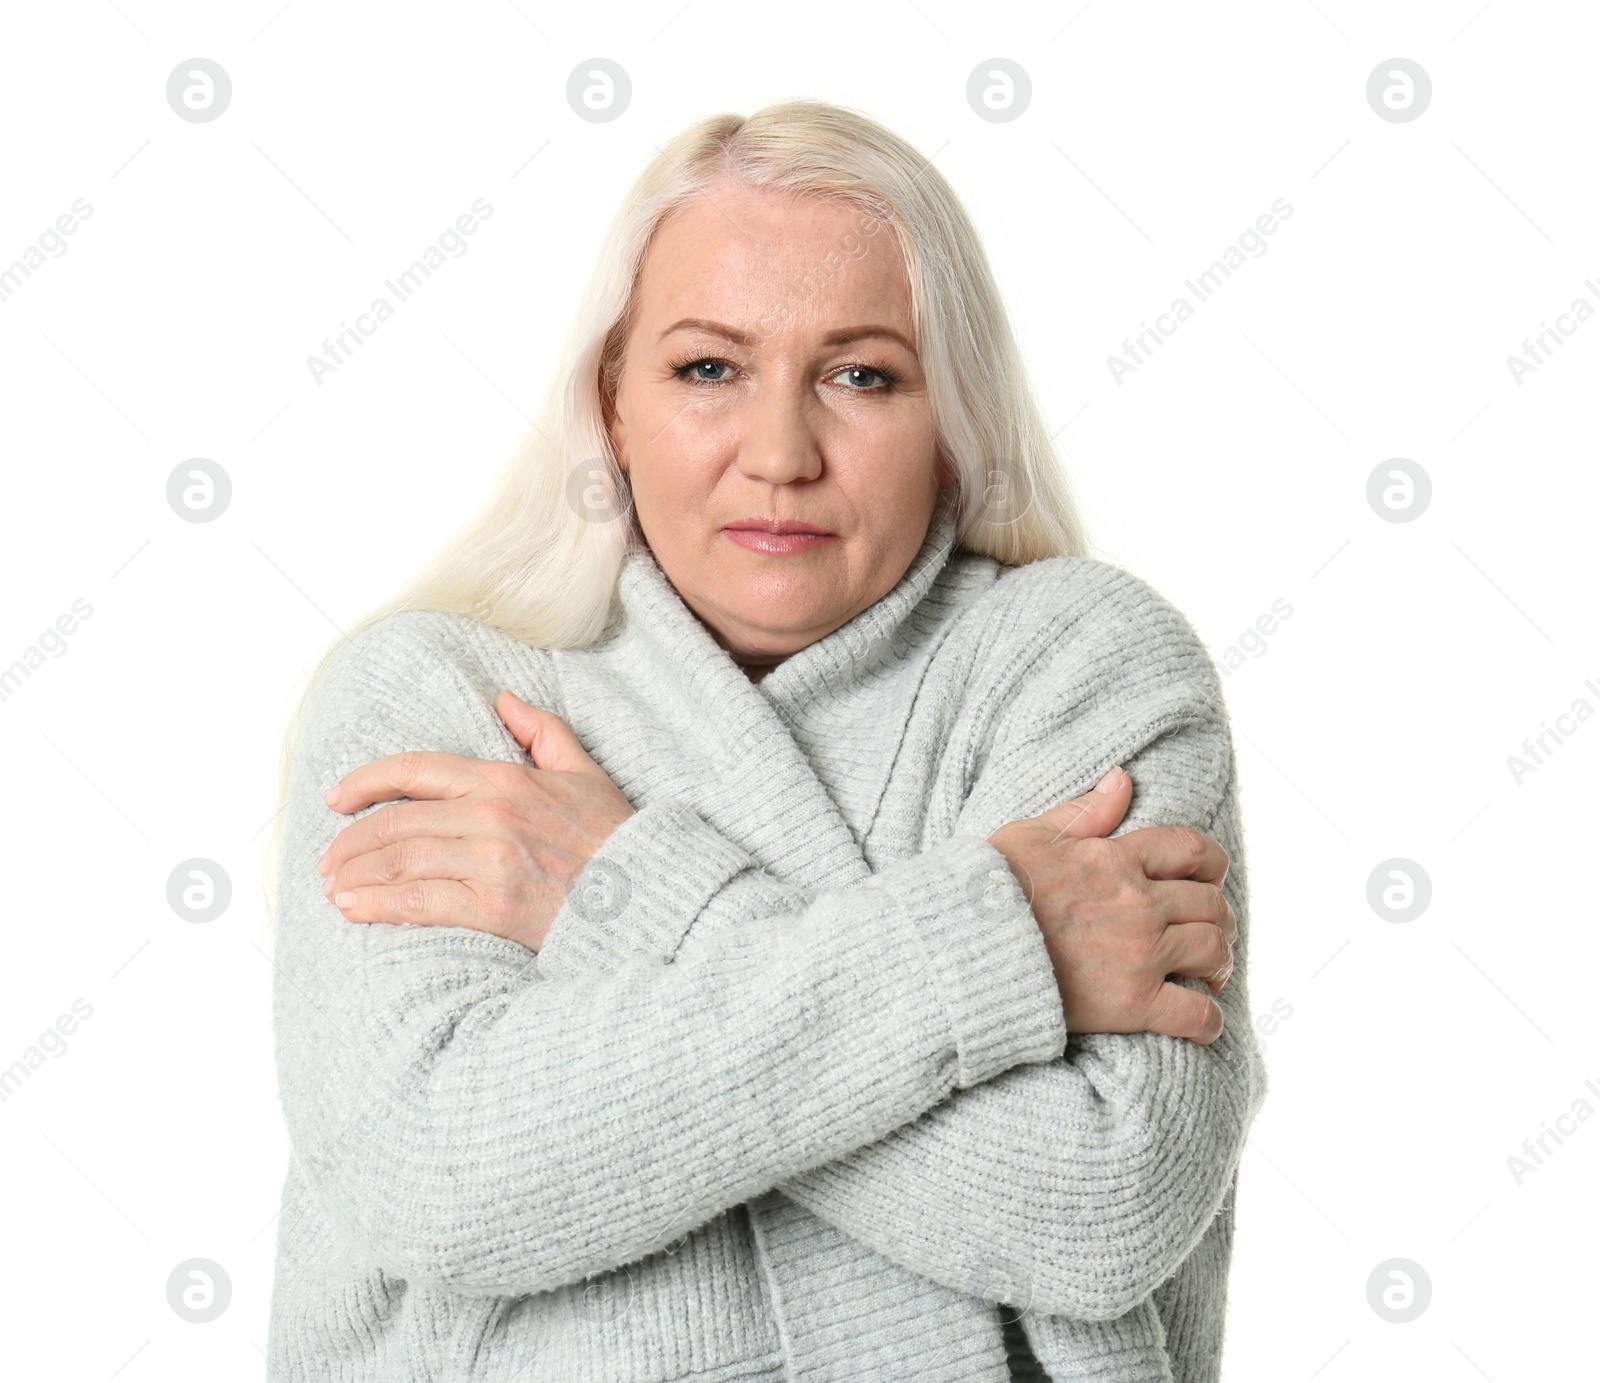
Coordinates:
(787, 1093)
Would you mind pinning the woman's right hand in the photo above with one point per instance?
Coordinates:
(1121, 915)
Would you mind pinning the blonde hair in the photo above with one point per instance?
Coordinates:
(542, 557)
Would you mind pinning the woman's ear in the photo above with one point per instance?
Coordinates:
(614, 425)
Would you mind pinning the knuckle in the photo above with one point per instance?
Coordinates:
(385, 824)
(502, 853)
(1132, 897)
(412, 898)
(1141, 908)
(1219, 952)
(392, 863)
(499, 812)
(511, 857)
(1098, 852)
(1165, 1010)
(1187, 1013)
(409, 764)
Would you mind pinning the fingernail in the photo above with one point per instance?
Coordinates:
(344, 900)
(1111, 781)
(332, 797)
(322, 864)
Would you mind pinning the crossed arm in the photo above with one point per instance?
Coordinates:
(1090, 1177)
(890, 1055)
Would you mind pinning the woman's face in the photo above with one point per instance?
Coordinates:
(741, 400)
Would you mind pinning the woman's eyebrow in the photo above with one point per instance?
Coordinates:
(843, 337)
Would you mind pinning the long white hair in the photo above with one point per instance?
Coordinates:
(542, 557)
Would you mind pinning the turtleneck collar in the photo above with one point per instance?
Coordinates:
(657, 619)
(748, 733)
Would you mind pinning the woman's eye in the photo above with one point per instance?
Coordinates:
(853, 375)
(692, 371)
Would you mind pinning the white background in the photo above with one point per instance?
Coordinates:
(1229, 471)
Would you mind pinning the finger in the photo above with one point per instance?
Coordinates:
(545, 735)
(413, 774)
(398, 821)
(1179, 1011)
(422, 902)
(1198, 949)
(1096, 812)
(1177, 852)
(1188, 900)
(416, 857)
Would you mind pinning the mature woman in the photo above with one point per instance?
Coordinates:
(743, 980)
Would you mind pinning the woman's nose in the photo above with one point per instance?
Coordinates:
(777, 441)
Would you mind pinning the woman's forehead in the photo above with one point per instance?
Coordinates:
(735, 254)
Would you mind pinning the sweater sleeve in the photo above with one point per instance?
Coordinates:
(471, 1121)
(1089, 1179)
(1192, 1303)
(1092, 1177)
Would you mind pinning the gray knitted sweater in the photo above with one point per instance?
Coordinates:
(787, 1093)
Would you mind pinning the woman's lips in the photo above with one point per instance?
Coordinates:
(779, 544)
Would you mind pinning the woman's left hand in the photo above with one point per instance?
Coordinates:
(484, 844)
